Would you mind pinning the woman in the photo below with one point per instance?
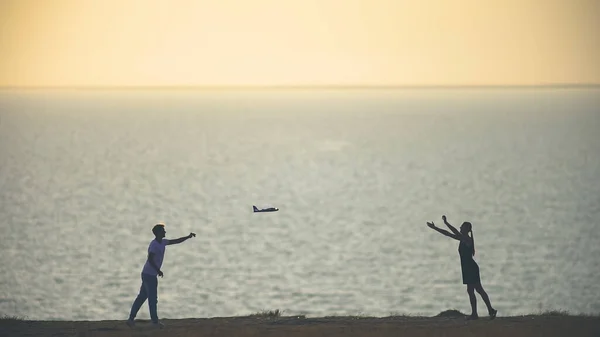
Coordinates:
(470, 269)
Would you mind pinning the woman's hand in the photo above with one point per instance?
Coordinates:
(430, 225)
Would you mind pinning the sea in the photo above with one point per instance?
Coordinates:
(356, 173)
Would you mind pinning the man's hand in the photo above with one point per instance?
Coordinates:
(444, 218)
(181, 239)
(160, 273)
(430, 224)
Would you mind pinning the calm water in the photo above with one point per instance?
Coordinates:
(85, 174)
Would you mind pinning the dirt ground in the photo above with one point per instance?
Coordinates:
(521, 326)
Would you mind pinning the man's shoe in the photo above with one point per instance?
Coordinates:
(472, 317)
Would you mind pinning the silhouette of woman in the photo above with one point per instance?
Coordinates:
(470, 269)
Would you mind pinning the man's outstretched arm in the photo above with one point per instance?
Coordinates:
(181, 239)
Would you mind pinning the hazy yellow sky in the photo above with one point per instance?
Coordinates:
(298, 42)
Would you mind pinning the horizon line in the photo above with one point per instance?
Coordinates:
(300, 87)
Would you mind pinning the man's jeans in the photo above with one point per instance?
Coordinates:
(148, 290)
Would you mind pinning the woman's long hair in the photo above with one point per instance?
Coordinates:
(473, 240)
(471, 232)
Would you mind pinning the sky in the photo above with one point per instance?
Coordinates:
(298, 42)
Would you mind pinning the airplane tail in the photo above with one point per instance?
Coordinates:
(254, 208)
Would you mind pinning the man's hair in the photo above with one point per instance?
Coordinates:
(157, 228)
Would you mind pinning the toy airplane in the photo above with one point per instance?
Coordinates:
(270, 209)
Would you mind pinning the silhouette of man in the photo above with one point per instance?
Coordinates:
(150, 273)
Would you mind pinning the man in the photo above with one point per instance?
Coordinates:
(150, 273)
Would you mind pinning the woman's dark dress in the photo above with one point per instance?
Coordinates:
(470, 269)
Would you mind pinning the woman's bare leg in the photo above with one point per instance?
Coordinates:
(486, 299)
(473, 299)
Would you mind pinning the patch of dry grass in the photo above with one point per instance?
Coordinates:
(267, 314)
